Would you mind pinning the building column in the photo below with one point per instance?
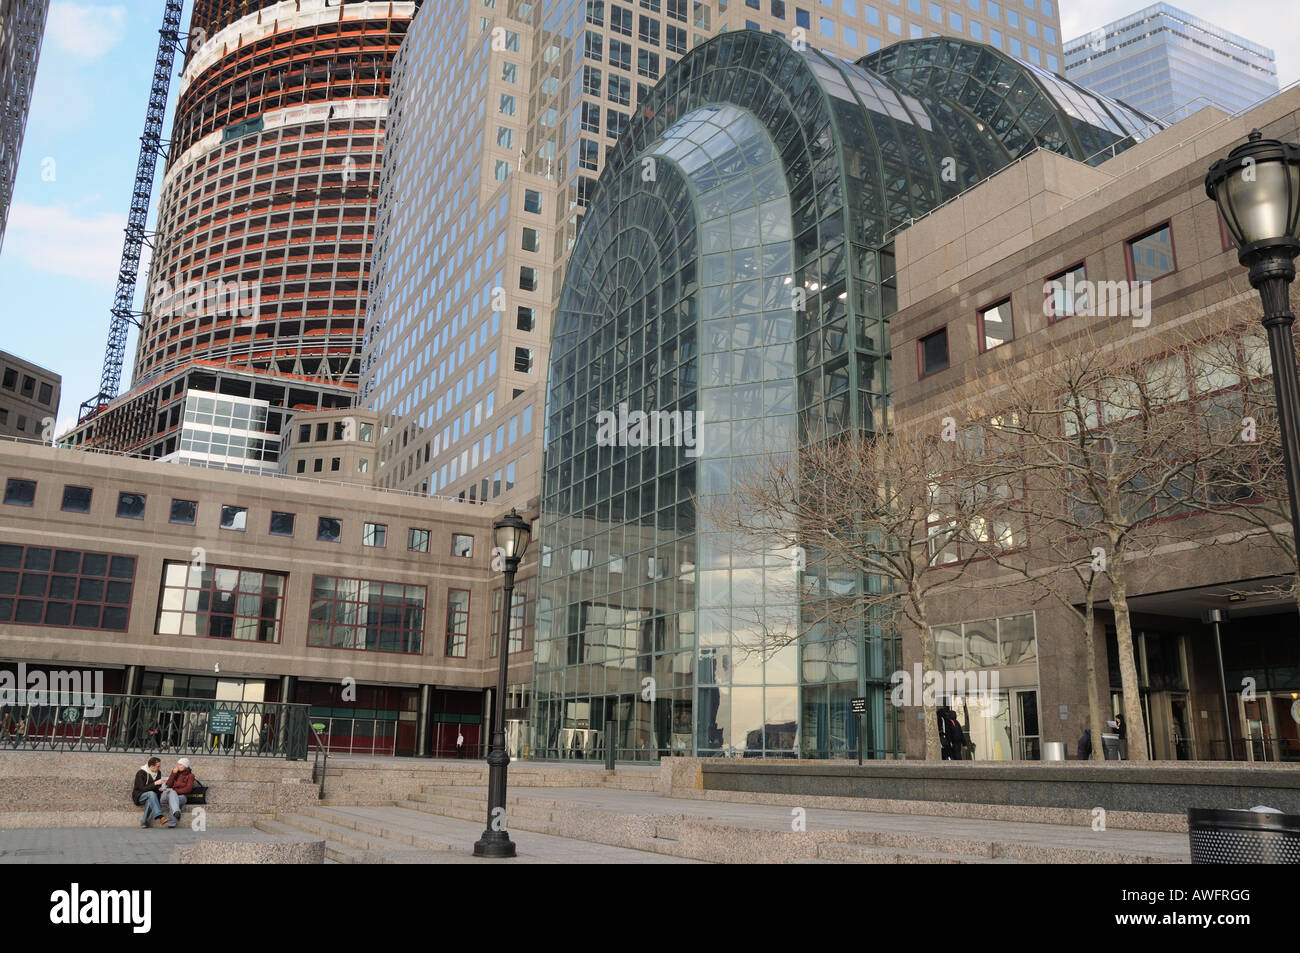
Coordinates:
(132, 677)
(485, 733)
(424, 723)
(287, 685)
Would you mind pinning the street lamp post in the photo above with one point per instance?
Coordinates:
(1257, 189)
(510, 535)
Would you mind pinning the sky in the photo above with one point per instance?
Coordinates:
(58, 265)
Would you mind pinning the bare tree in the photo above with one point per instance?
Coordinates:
(872, 524)
(1111, 440)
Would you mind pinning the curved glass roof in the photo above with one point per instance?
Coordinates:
(1026, 106)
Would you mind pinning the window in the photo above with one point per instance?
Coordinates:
(506, 106)
(620, 20)
(76, 499)
(532, 201)
(234, 517)
(590, 81)
(221, 602)
(457, 623)
(526, 319)
(593, 46)
(29, 385)
(329, 530)
(281, 523)
(590, 117)
(620, 90)
(596, 12)
(417, 540)
(802, 18)
(184, 512)
(65, 587)
(675, 39)
(366, 615)
(1066, 294)
(304, 433)
(322, 431)
(317, 465)
(10, 378)
(933, 352)
(523, 360)
(522, 616)
(335, 463)
(367, 431)
(375, 534)
(532, 240)
(1151, 255)
(302, 466)
(936, 13)
(527, 279)
(130, 506)
(462, 545)
(994, 326)
(648, 30)
(647, 64)
(46, 394)
(620, 54)
(21, 492)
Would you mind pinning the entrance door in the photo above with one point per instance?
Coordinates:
(1025, 724)
(1256, 716)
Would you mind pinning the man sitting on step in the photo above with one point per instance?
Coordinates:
(148, 780)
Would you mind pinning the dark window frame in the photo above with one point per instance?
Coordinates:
(921, 372)
(979, 326)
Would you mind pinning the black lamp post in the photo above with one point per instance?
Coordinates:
(1257, 188)
(510, 534)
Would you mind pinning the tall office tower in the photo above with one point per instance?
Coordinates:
(22, 27)
(1169, 64)
(503, 115)
(266, 218)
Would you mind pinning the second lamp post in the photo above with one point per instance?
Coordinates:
(510, 536)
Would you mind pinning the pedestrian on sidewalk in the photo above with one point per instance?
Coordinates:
(460, 744)
(148, 780)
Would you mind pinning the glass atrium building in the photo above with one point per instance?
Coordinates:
(734, 276)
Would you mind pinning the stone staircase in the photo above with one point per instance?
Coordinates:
(405, 833)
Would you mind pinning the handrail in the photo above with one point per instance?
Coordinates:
(321, 762)
(69, 714)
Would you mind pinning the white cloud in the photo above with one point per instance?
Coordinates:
(85, 30)
(53, 240)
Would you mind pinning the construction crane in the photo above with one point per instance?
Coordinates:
(151, 147)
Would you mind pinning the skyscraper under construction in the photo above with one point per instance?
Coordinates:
(258, 281)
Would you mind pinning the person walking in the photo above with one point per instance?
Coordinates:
(145, 790)
(460, 744)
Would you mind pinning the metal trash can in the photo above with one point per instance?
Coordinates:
(1110, 746)
(1243, 837)
(1053, 750)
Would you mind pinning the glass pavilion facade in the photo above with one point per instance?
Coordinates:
(735, 275)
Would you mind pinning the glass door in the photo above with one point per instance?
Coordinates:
(1180, 725)
(1026, 724)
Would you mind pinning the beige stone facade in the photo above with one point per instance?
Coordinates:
(29, 399)
(160, 526)
(1003, 240)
